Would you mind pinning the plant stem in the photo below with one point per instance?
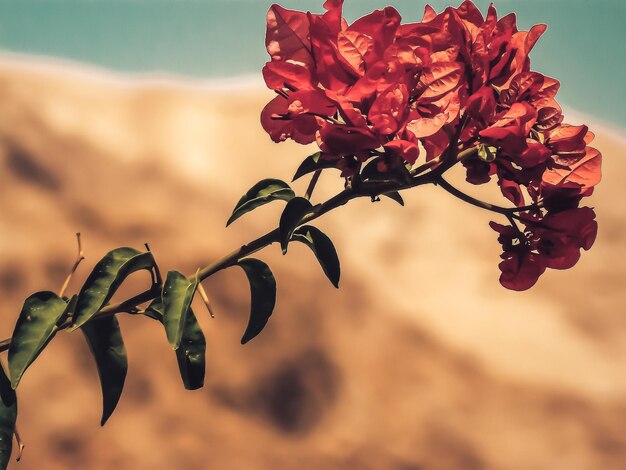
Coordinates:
(232, 258)
(314, 179)
(79, 258)
(509, 212)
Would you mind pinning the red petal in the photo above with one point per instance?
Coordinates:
(425, 127)
(284, 118)
(511, 190)
(354, 47)
(429, 14)
(280, 75)
(439, 79)
(408, 151)
(390, 109)
(344, 140)
(584, 174)
(287, 35)
(521, 271)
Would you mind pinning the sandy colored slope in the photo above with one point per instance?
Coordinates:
(420, 360)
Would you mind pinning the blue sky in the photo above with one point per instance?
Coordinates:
(585, 46)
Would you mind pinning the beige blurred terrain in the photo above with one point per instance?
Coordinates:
(421, 360)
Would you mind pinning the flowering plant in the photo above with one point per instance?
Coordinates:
(405, 102)
(392, 106)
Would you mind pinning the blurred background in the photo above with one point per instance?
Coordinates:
(138, 121)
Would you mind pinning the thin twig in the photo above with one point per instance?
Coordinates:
(314, 180)
(508, 212)
(156, 273)
(436, 161)
(20, 444)
(205, 299)
(79, 258)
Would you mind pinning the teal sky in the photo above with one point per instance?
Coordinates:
(585, 46)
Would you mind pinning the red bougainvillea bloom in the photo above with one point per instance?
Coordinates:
(456, 83)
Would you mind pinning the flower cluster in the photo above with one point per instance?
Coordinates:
(457, 87)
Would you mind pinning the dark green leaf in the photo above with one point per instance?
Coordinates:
(395, 173)
(191, 353)
(36, 326)
(323, 249)
(8, 416)
(263, 296)
(290, 219)
(178, 292)
(263, 192)
(106, 278)
(313, 163)
(370, 172)
(155, 310)
(104, 338)
(395, 195)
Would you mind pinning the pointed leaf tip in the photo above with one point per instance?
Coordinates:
(264, 192)
(8, 416)
(395, 195)
(105, 341)
(323, 249)
(313, 163)
(291, 218)
(191, 353)
(262, 296)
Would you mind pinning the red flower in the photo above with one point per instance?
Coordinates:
(520, 266)
(553, 241)
(456, 84)
(562, 235)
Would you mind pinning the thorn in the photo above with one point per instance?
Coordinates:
(20, 444)
(205, 299)
(79, 258)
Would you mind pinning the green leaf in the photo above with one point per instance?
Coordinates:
(263, 296)
(371, 173)
(323, 249)
(8, 416)
(290, 219)
(263, 192)
(37, 324)
(178, 292)
(313, 163)
(104, 338)
(395, 174)
(191, 353)
(106, 278)
(155, 310)
(395, 195)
